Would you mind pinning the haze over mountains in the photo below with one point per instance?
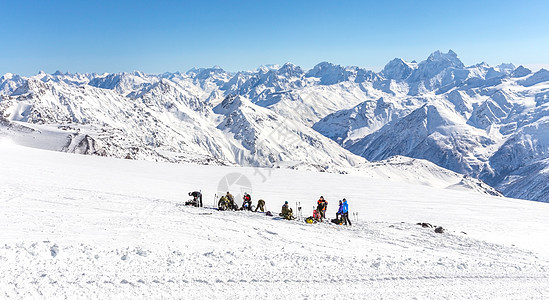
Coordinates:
(486, 122)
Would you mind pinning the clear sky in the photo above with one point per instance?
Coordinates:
(159, 36)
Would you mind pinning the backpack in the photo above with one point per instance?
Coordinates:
(316, 214)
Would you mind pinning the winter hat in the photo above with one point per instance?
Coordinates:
(286, 202)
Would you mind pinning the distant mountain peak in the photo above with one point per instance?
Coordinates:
(450, 57)
(138, 74)
(7, 76)
(328, 73)
(398, 69)
(506, 66)
(290, 69)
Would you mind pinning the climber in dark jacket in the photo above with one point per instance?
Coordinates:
(197, 198)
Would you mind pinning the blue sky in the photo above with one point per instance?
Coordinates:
(159, 36)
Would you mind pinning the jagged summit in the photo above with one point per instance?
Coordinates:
(266, 68)
(450, 57)
(398, 69)
(207, 73)
(506, 67)
(521, 71)
(328, 73)
(289, 70)
(436, 63)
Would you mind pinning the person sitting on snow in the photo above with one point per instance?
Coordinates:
(223, 203)
(339, 213)
(287, 212)
(247, 204)
(317, 216)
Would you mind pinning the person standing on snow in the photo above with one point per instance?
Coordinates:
(321, 207)
(345, 211)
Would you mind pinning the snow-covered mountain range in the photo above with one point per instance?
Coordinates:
(485, 122)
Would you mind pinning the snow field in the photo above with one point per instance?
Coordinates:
(89, 227)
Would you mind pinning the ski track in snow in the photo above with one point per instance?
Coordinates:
(86, 238)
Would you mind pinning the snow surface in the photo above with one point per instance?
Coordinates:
(76, 226)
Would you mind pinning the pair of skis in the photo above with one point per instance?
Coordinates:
(299, 213)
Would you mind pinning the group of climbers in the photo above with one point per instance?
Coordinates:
(227, 202)
(319, 214)
(342, 214)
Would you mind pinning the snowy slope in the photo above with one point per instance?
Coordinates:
(88, 227)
